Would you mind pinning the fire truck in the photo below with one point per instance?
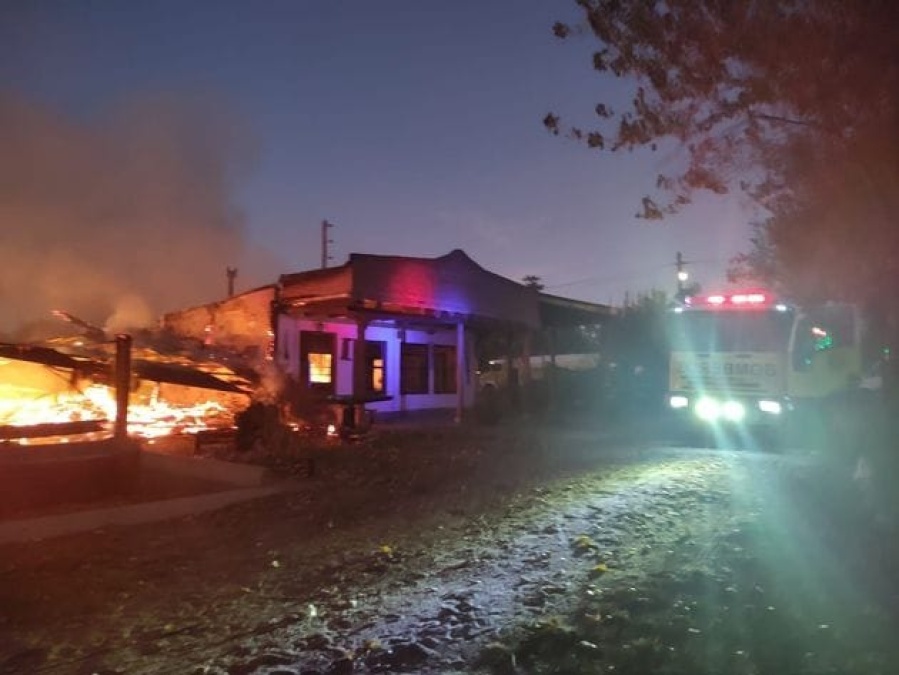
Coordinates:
(746, 359)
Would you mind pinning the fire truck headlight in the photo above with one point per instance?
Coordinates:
(733, 411)
(678, 402)
(707, 409)
(772, 407)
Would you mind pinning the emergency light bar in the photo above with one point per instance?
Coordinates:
(742, 299)
(748, 298)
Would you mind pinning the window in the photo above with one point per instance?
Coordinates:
(317, 360)
(731, 331)
(413, 368)
(444, 369)
(374, 365)
(319, 368)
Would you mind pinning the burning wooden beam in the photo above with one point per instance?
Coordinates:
(15, 432)
(50, 357)
(91, 331)
(140, 396)
(104, 372)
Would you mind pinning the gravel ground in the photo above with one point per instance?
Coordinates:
(505, 550)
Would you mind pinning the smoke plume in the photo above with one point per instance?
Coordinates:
(118, 218)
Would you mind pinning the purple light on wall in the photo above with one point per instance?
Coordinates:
(420, 284)
(412, 283)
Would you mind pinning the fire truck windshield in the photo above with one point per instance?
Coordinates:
(733, 331)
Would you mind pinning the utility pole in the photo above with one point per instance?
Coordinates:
(326, 256)
(232, 275)
(682, 275)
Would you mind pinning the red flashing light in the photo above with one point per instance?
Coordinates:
(748, 298)
(745, 299)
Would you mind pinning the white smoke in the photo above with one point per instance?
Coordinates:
(130, 313)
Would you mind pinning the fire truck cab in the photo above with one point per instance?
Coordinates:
(748, 359)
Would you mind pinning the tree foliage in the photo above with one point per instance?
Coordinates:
(794, 101)
(533, 281)
(636, 335)
(737, 82)
(635, 341)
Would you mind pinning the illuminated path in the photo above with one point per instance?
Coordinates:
(560, 550)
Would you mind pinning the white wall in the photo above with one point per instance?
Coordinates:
(289, 358)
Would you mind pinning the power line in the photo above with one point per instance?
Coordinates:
(631, 274)
(616, 277)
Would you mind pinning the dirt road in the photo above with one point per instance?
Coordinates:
(530, 550)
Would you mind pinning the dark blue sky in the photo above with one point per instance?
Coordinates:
(414, 125)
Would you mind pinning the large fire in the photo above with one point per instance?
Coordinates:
(31, 395)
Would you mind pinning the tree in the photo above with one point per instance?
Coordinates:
(533, 281)
(688, 289)
(794, 101)
(635, 341)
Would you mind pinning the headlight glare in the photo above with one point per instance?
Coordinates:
(678, 402)
(707, 409)
(772, 407)
(733, 411)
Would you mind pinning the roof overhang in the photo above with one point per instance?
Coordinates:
(445, 290)
(556, 311)
(448, 289)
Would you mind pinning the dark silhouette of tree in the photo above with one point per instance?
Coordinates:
(533, 281)
(635, 342)
(796, 102)
(689, 288)
(737, 85)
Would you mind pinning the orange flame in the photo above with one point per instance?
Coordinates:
(149, 414)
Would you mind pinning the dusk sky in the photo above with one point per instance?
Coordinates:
(414, 126)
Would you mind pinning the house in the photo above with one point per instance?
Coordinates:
(399, 331)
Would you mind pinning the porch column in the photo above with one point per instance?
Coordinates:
(526, 389)
(513, 377)
(401, 339)
(461, 372)
(551, 382)
(359, 365)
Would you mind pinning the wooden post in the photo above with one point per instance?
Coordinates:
(122, 384)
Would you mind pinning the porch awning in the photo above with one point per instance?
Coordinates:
(556, 311)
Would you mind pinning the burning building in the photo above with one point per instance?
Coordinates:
(78, 192)
(71, 415)
(384, 333)
(389, 333)
(50, 394)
